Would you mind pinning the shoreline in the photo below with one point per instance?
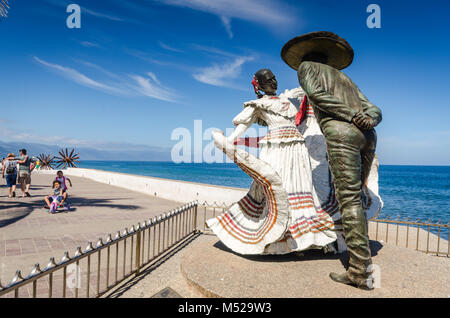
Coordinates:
(156, 161)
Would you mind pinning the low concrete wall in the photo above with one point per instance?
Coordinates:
(175, 190)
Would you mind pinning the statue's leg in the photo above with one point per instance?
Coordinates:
(344, 145)
(367, 154)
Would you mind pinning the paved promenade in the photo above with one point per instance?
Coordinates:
(29, 235)
(202, 266)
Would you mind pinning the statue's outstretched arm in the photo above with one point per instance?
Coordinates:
(321, 99)
(239, 131)
(243, 121)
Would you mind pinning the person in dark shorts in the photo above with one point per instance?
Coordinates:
(9, 172)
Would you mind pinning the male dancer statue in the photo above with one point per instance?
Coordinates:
(347, 120)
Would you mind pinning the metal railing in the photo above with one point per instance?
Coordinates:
(128, 252)
(424, 236)
(107, 263)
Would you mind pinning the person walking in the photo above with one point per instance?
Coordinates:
(24, 179)
(9, 172)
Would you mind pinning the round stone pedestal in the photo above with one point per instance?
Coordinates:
(215, 271)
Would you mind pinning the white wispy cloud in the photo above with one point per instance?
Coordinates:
(18, 135)
(78, 77)
(268, 12)
(108, 16)
(148, 85)
(154, 78)
(169, 48)
(214, 51)
(151, 87)
(150, 59)
(226, 21)
(222, 74)
(98, 68)
(101, 15)
(89, 44)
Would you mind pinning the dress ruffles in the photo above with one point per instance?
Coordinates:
(261, 217)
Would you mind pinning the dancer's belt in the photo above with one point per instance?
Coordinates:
(282, 134)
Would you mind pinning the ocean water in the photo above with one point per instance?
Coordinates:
(407, 191)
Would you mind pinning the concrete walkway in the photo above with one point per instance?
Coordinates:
(202, 266)
(29, 235)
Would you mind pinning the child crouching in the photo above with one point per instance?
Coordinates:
(57, 198)
(62, 179)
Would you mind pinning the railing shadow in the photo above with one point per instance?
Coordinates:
(152, 267)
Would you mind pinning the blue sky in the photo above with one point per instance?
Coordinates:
(136, 70)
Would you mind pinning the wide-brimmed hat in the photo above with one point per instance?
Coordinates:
(11, 155)
(338, 52)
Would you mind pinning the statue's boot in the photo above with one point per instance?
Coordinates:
(344, 279)
(357, 241)
(348, 152)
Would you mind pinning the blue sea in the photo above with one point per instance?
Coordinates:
(407, 191)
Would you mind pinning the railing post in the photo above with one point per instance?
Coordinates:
(138, 249)
(195, 216)
(204, 218)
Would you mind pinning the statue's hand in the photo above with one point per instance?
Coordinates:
(364, 121)
(218, 131)
(218, 136)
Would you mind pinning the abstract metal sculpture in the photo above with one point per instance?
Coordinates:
(66, 159)
(4, 6)
(46, 162)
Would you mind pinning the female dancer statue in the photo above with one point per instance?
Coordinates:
(290, 205)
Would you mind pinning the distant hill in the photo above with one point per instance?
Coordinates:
(138, 153)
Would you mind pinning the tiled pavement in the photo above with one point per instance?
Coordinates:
(29, 235)
(36, 245)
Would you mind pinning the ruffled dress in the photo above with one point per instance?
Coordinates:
(291, 204)
(280, 213)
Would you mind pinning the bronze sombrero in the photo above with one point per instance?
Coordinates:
(338, 52)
